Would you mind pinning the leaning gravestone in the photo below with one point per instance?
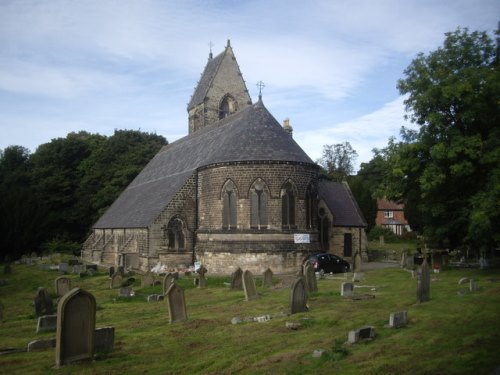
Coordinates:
(267, 280)
(176, 303)
(347, 290)
(147, 280)
(75, 327)
(298, 296)
(116, 280)
(43, 302)
(357, 262)
(202, 281)
(363, 333)
(310, 277)
(62, 285)
(168, 280)
(249, 286)
(398, 319)
(236, 279)
(424, 283)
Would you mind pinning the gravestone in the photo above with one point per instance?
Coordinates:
(249, 286)
(347, 289)
(168, 280)
(381, 240)
(410, 262)
(310, 278)
(125, 291)
(7, 269)
(46, 323)
(403, 259)
(43, 302)
(358, 276)
(298, 296)
(176, 303)
(363, 333)
(147, 280)
(62, 285)
(424, 283)
(398, 319)
(75, 327)
(116, 280)
(357, 262)
(267, 278)
(236, 279)
(111, 271)
(41, 344)
(202, 281)
(104, 340)
(63, 267)
(463, 280)
(473, 287)
(79, 269)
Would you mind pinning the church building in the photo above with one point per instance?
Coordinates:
(237, 191)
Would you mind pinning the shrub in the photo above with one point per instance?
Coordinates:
(377, 231)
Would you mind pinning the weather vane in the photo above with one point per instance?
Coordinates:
(260, 85)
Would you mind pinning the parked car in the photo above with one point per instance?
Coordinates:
(328, 263)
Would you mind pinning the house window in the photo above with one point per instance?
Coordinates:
(287, 206)
(227, 106)
(229, 197)
(258, 205)
(388, 214)
(175, 234)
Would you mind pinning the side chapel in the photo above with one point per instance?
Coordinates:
(237, 191)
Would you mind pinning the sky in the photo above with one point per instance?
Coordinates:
(329, 66)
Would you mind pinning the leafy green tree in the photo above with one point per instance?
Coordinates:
(448, 170)
(338, 160)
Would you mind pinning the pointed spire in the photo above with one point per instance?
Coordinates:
(260, 85)
(210, 55)
(228, 43)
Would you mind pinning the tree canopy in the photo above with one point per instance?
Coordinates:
(338, 160)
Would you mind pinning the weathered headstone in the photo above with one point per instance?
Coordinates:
(63, 267)
(249, 286)
(473, 287)
(310, 278)
(7, 269)
(347, 289)
(75, 327)
(424, 283)
(236, 279)
(176, 303)
(357, 262)
(267, 279)
(46, 323)
(463, 280)
(381, 240)
(298, 296)
(167, 282)
(403, 259)
(398, 319)
(363, 333)
(410, 262)
(125, 291)
(41, 344)
(43, 302)
(62, 285)
(104, 339)
(358, 276)
(78, 269)
(202, 281)
(111, 271)
(116, 280)
(147, 280)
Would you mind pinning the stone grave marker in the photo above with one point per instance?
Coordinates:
(7, 269)
(41, 344)
(46, 323)
(463, 280)
(357, 262)
(358, 276)
(116, 280)
(176, 303)
(237, 279)
(473, 287)
(147, 280)
(63, 267)
(398, 319)
(410, 262)
(168, 280)
(424, 283)
(104, 339)
(310, 277)
(79, 269)
(363, 333)
(298, 296)
(347, 290)
(111, 271)
(403, 259)
(125, 291)
(249, 286)
(43, 302)
(62, 285)
(75, 327)
(267, 278)
(202, 281)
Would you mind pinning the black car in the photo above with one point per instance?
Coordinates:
(328, 263)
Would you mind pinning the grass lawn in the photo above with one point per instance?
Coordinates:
(451, 334)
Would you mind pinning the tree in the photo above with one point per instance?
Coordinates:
(338, 160)
(448, 170)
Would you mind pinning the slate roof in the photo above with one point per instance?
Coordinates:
(340, 201)
(206, 79)
(384, 204)
(251, 134)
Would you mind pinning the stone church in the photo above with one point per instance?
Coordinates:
(237, 191)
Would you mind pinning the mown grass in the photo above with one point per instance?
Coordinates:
(450, 334)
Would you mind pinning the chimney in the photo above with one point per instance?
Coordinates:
(287, 127)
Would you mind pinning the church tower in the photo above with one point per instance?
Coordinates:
(221, 91)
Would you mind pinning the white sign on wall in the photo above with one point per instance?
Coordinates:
(301, 238)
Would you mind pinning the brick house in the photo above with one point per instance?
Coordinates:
(236, 191)
(391, 215)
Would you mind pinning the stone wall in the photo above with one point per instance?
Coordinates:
(358, 242)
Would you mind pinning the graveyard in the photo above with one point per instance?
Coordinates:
(371, 326)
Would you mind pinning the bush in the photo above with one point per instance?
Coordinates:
(57, 245)
(389, 235)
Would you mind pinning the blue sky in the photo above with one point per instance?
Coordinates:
(331, 67)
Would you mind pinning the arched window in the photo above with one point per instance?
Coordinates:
(258, 205)
(229, 198)
(287, 206)
(227, 106)
(174, 234)
(309, 206)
